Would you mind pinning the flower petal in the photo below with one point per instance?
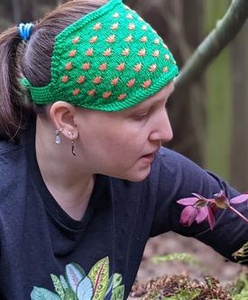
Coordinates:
(188, 215)
(202, 214)
(239, 199)
(188, 201)
(211, 218)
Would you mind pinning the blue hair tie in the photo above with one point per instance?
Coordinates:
(25, 30)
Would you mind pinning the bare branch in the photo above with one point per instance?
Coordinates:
(225, 31)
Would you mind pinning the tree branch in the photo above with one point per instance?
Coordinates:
(225, 31)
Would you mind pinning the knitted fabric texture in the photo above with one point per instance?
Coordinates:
(108, 60)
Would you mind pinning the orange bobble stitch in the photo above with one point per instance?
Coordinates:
(153, 68)
(76, 92)
(167, 56)
(114, 26)
(129, 38)
(86, 66)
(131, 83)
(91, 93)
(97, 80)
(125, 52)
(156, 53)
(147, 83)
(97, 26)
(93, 39)
(64, 79)
(165, 69)
(89, 52)
(103, 67)
(72, 53)
(129, 16)
(143, 39)
(122, 96)
(81, 79)
(116, 15)
(157, 41)
(131, 26)
(111, 39)
(144, 27)
(68, 66)
(120, 67)
(76, 40)
(137, 67)
(107, 52)
(142, 52)
(115, 81)
(106, 95)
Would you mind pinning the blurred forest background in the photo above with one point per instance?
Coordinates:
(210, 116)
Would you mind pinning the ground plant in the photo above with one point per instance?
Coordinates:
(181, 287)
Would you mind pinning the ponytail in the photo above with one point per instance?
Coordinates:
(33, 61)
(12, 104)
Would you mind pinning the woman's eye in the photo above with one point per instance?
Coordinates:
(142, 115)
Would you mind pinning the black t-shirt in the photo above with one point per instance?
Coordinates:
(45, 254)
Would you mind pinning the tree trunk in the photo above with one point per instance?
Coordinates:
(239, 151)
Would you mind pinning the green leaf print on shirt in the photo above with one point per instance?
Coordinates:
(77, 285)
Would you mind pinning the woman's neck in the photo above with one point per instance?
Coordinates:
(70, 187)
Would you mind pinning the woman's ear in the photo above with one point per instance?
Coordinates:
(62, 115)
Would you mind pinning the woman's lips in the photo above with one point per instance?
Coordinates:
(148, 158)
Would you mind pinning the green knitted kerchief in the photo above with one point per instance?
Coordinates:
(108, 60)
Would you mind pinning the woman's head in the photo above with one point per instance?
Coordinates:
(100, 56)
(118, 144)
(32, 60)
(108, 60)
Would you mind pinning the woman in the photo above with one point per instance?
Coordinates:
(84, 179)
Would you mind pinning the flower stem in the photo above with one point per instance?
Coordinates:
(238, 213)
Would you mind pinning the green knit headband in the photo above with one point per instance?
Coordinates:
(108, 60)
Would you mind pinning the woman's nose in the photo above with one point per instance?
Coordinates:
(162, 128)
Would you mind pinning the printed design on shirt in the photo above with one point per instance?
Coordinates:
(76, 285)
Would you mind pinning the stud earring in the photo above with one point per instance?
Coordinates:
(57, 137)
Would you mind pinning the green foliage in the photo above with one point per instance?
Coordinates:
(182, 287)
(185, 257)
(184, 294)
(239, 290)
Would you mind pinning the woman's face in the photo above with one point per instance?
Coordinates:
(122, 144)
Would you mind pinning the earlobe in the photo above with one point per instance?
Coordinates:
(62, 115)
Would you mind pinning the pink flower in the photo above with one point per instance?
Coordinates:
(199, 209)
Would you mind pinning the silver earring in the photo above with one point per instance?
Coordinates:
(57, 137)
(73, 148)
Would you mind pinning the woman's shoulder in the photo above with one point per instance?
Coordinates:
(12, 161)
(9, 150)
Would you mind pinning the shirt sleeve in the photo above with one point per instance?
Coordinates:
(178, 177)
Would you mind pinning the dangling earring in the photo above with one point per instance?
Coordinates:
(57, 137)
(73, 148)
